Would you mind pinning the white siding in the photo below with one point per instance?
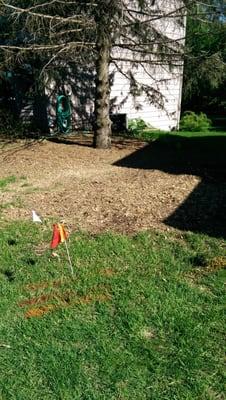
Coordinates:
(165, 118)
(167, 82)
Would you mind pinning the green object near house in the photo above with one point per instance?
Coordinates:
(63, 113)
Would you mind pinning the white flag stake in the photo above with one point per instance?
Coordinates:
(69, 258)
(35, 217)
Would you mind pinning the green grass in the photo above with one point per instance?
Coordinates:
(207, 138)
(201, 134)
(4, 182)
(157, 134)
(142, 318)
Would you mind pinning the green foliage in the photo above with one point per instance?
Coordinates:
(141, 319)
(195, 122)
(205, 68)
(138, 128)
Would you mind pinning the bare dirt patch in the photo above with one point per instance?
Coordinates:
(81, 185)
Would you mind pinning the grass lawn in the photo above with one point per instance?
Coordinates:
(142, 318)
(198, 148)
(199, 134)
(168, 136)
(147, 134)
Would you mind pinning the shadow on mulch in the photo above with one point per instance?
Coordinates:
(72, 140)
(204, 210)
(86, 140)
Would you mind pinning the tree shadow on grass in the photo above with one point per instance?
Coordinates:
(204, 210)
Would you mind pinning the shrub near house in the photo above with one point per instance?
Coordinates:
(195, 122)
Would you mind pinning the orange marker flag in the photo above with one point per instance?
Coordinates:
(59, 235)
(63, 233)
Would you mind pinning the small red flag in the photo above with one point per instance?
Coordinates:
(56, 237)
(59, 235)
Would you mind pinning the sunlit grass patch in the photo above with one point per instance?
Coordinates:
(139, 319)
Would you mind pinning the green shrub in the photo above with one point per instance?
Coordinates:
(137, 126)
(195, 122)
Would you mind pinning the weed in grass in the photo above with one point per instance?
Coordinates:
(6, 181)
(147, 333)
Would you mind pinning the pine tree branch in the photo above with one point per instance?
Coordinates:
(79, 19)
(69, 45)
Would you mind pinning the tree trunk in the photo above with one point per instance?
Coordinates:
(102, 131)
